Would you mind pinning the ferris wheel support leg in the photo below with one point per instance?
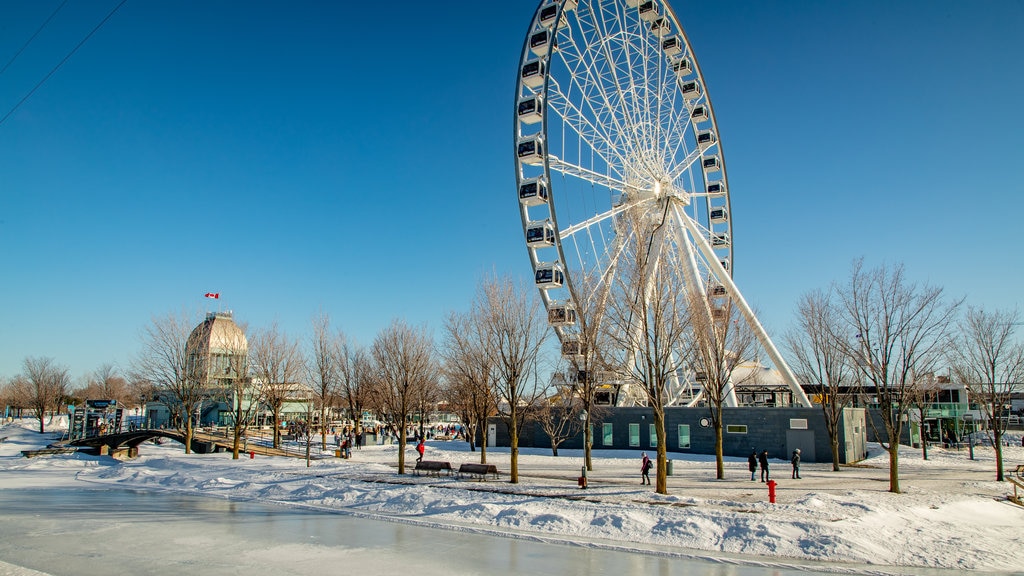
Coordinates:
(748, 314)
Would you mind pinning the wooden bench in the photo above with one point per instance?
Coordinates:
(479, 471)
(48, 451)
(433, 467)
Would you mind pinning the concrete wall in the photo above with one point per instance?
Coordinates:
(778, 430)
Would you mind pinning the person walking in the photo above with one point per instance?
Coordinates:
(762, 459)
(795, 460)
(421, 448)
(752, 463)
(645, 470)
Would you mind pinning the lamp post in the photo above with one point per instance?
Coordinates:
(583, 470)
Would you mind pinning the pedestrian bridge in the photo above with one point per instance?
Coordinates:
(127, 443)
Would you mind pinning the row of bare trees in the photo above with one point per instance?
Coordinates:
(881, 336)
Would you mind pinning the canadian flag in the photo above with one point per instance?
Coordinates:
(213, 294)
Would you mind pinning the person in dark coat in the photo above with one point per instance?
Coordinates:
(645, 470)
(762, 459)
(752, 463)
(795, 460)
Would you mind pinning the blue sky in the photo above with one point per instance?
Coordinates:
(356, 158)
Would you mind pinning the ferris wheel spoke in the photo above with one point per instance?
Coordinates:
(599, 101)
(586, 129)
(612, 184)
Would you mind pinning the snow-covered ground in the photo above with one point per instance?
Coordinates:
(951, 514)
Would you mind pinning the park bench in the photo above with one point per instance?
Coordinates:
(433, 467)
(479, 471)
(1017, 479)
(48, 451)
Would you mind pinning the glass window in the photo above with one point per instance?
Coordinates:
(684, 435)
(798, 423)
(634, 435)
(654, 436)
(736, 428)
(607, 438)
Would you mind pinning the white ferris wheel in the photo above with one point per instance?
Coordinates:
(612, 116)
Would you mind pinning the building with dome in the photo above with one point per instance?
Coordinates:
(217, 353)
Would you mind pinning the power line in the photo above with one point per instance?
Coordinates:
(29, 41)
(61, 63)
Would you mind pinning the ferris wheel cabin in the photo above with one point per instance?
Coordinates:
(716, 290)
(549, 276)
(531, 150)
(699, 114)
(532, 74)
(720, 240)
(718, 215)
(711, 164)
(690, 89)
(672, 45)
(534, 192)
(561, 315)
(547, 15)
(539, 42)
(649, 11)
(540, 234)
(706, 139)
(572, 347)
(660, 26)
(531, 110)
(715, 189)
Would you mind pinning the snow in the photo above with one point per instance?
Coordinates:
(952, 513)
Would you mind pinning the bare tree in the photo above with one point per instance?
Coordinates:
(648, 324)
(588, 367)
(923, 393)
(896, 332)
(722, 341)
(559, 416)
(276, 365)
(404, 361)
(163, 362)
(819, 360)
(106, 383)
(357, 375)
(324, 368)
(988, 359)
(512, 332)
(467, 371)
(43, 387)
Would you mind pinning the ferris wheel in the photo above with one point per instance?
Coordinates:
(613, 119)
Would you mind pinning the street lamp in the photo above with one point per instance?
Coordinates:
(583, 470)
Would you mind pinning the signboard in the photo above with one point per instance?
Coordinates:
(100, 403)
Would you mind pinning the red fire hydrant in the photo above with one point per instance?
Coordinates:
(771, 491)
(252, 455)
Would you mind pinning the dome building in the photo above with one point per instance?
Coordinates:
(217, 351)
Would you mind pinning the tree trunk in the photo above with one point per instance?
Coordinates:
(998, 441)
(835, 453)
(661, 486)
(554, 449)
(513, 433)
(401, 452)
(482, 426)
(42, 426)
(189, 431)
(894, 466)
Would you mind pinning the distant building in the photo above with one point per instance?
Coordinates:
(217, 352)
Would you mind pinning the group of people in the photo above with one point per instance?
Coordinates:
(755, 461)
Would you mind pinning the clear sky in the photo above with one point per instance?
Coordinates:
(357, 158)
